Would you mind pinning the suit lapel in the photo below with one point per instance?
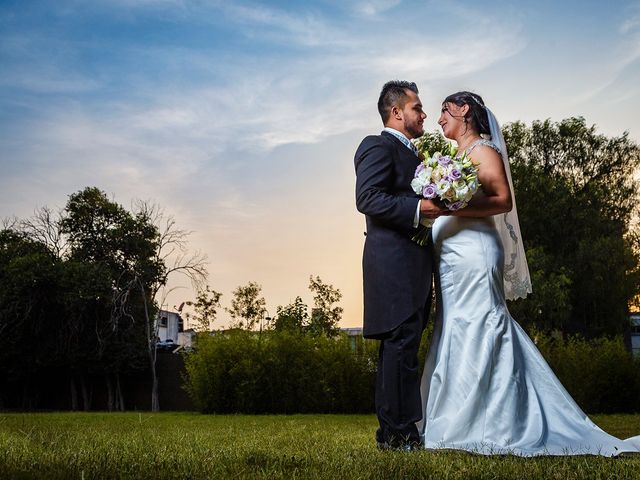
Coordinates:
(404, 154)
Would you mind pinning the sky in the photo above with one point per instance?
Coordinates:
(241, 118)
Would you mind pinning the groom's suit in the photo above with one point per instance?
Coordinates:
(397, 279)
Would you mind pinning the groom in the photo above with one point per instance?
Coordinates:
(397, 271)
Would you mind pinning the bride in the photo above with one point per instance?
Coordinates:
(485, 387)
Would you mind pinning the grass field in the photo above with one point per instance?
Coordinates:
(184, 445)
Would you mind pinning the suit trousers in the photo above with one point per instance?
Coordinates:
(398, 403)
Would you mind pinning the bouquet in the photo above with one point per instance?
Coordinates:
(451, 179)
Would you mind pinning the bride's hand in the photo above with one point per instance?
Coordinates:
(431, 209)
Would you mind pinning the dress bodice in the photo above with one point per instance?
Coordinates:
(482, 141)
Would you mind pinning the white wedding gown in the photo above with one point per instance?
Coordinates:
(486, 388)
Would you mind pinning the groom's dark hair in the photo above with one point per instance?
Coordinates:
(394, 93)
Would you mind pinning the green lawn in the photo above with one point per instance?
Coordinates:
(184, 445)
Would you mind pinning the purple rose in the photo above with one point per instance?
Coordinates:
(419, 169)
(455, 175)
(429, 191)
(444, 161)
(456, 205)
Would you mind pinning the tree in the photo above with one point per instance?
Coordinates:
(293, 317)
(98, 271)
(432, 142)
(168, 257)
(549, 307)
(206, 307)
(576, 198)
(46, 227)
(107, 241)
(30, 313)
(247, 306)
(324, 316)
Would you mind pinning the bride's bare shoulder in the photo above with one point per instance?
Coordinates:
(485, 153)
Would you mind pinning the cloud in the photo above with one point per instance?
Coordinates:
(211, 114)
(622, 64)
(374, 7)
(36, 63)
(309, 95)
(306, 29)
(632, 22)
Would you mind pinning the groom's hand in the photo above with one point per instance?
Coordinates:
(431, 209)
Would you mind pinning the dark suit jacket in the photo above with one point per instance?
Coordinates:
(397, 271)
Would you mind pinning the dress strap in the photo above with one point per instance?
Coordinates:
(483, 141)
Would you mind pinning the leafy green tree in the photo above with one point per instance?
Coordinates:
(89, 347)
(97, 270)
(576, 197)
(146, 278)
(293, 317)
(432, 142)
(324, 315)
(206, 307)
(30, 313)
(247, 306)
(107, 242)
(549, 307)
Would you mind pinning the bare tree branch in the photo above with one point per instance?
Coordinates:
(45, 227)
(9, 223)
(172, 249)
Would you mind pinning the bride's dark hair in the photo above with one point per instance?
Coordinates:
(477, 113)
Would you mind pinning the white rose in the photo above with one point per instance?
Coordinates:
(425, 175)
(416, 185)
(461, 192)
(442, 187)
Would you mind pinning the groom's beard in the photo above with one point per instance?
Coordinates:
(415, 130)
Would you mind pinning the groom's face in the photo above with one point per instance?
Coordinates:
(413, 115)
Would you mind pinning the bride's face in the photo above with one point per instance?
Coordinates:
(452, 119)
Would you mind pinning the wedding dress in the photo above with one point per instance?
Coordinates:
(486, 388)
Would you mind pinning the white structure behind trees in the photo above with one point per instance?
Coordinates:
(170, 324)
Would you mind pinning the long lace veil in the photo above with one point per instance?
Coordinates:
(517, 281)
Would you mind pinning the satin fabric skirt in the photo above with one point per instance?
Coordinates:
(486, 388)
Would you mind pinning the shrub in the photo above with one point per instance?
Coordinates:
(280, 372)
(290, 372)
(600, 374)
